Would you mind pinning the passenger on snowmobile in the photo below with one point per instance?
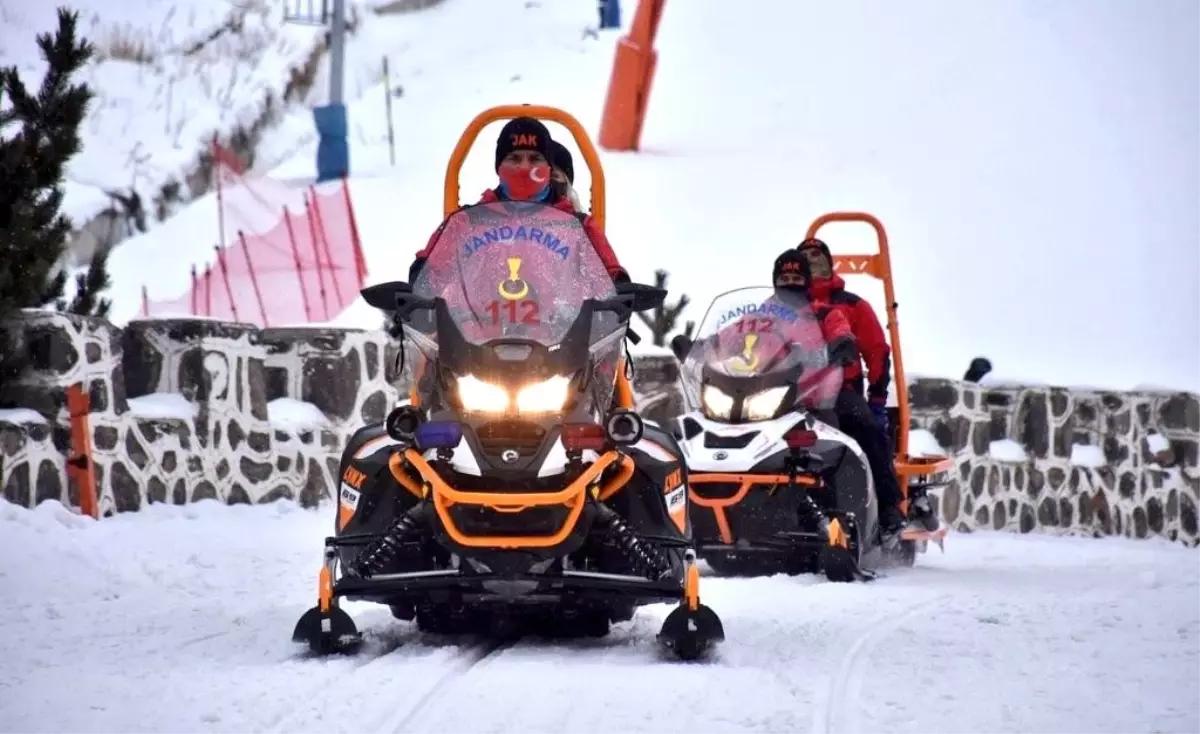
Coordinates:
(864, 421)
(791, 274)
(523, 154)
(562, 174)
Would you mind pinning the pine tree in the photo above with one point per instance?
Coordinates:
(39, 134)
(665, 317)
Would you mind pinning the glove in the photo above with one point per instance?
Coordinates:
(843, 351)
(879, 410)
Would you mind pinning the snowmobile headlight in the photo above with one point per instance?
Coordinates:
(482, 397)
(762, 406)
(547, 396)
(716, 403)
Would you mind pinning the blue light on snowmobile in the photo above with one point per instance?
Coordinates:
(437, 435)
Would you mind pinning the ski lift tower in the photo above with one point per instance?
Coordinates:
(333, 149)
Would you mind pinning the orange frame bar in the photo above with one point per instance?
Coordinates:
(879, 265)
(450, 201)
(746, 482)
(572, 496)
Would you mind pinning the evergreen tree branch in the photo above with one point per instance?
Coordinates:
(39, 134)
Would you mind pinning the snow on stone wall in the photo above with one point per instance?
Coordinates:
(193, 408)
(181, 409)
(1087, 461)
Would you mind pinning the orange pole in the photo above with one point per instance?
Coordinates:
(80, 469)
(628, 95)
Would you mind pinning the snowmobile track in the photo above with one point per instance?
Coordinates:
(837, 711)
(402, 719)
(297, 720)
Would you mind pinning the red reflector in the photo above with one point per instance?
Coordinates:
(800, 438)
(584, 437)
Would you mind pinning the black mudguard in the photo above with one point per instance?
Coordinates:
(369, 499)
(643, 502)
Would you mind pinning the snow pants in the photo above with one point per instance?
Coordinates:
(856, 421)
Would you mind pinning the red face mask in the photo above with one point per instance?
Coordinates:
(525, 182)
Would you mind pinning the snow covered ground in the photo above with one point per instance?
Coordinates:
(1030, 160)
(179, 619)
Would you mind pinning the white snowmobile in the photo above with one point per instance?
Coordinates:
(773, 486)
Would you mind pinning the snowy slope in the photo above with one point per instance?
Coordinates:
(167, 75)
(450, 46)
(1033, 162)
(180, 619)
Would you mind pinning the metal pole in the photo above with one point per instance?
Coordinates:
(337, 52)
(387, 101)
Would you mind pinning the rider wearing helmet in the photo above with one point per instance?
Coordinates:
(864, 421)
(523, 155)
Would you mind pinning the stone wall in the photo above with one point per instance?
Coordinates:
(1084, 462)
(181, 409)
(1025, 457)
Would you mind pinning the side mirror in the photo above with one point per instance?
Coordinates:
(680, 346)
(644, 297)
(395, 297)
(385, 296)
(843, 351)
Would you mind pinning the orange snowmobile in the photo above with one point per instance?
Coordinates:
(510, 495)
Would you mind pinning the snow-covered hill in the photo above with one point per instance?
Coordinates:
(1034, 163)
(167, 75)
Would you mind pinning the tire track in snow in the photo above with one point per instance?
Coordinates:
(837, 710)
(298, 720)
(466, 660)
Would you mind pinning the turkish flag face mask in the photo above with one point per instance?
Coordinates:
(525, 182)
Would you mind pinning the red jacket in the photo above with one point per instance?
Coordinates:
(594, 233)
(834, 324)
(831, 292)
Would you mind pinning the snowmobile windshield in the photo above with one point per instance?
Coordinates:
(519, 293)
(759, 352)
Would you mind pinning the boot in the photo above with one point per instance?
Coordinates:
(921, 515)
(891, 522)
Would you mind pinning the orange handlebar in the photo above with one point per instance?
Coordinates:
(450, 201)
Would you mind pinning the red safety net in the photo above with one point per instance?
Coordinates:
(284, 256)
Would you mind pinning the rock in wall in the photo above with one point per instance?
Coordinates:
(1025, 457)
(1078, 461)
(215, 438)
(32, 465)
(63, 350)
(656, 386)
